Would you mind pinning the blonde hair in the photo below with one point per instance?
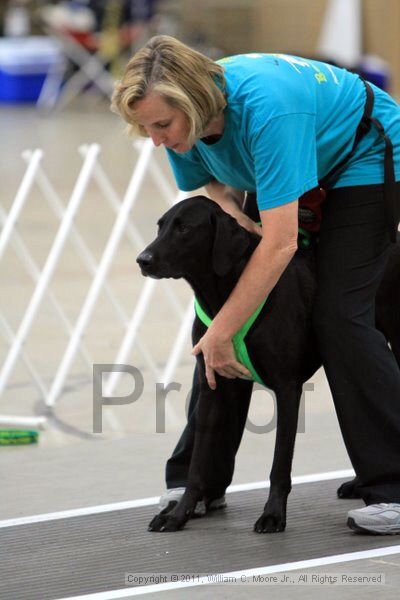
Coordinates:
(185, 78)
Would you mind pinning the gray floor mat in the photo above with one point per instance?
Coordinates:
(83, 555)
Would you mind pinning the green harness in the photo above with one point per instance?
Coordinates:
(238, 339)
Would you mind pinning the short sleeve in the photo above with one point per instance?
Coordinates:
(189, 170)
(285, 159)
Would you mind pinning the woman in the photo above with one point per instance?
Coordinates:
(279, 126)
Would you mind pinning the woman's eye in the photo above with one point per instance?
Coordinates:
(163, 125)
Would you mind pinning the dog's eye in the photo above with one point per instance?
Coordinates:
(182, 227)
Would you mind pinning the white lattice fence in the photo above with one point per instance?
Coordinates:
(66, 333)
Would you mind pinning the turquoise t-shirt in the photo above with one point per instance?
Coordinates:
(288, 122)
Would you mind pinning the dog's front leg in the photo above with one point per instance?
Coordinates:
(207, 435)
(273, 517)
(175, 518)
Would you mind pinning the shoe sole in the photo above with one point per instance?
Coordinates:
(375, 530)
(218, 507)
(201, 510)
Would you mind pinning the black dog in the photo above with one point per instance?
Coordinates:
(198, 241)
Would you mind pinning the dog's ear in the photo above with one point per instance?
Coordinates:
(230, 243)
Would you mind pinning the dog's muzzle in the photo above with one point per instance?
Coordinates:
(152, 265)
(146, 263)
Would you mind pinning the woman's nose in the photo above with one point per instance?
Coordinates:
(157, 138)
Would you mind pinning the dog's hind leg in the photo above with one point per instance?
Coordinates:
(388, 302)
(395, 346)
(273, 517)
(388, 322)
(348, 489)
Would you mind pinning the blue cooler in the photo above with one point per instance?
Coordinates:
(24, 66)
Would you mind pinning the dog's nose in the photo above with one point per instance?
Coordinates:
(145, 259)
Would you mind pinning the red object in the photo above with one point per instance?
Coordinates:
(87, 39)
(310, 213)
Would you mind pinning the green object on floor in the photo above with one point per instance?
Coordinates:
(16, 437)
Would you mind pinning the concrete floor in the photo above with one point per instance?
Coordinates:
(71, 467)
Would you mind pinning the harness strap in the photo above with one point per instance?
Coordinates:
(391, 204)
(238, 339)
(203, 316)
(363, 128)
(390, 200)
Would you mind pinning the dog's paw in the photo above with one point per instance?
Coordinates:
(269, 523)
(165, 522)
(348, 490)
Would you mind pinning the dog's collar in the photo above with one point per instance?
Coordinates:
(238, 339)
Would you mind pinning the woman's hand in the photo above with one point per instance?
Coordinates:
(231, 201)
(247, 223)
(219, 357)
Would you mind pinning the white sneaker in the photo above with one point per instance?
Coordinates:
(383, 518)
(172, 495)
(175, 494)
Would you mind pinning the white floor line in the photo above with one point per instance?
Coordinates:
(103, 508)
(282, 568)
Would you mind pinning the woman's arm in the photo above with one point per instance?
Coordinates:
(231, 201)
(269, 260)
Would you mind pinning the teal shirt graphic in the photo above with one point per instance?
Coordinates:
(288, 121)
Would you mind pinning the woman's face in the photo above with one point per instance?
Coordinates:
(163, 123)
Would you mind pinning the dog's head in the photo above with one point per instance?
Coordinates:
(195, 233)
